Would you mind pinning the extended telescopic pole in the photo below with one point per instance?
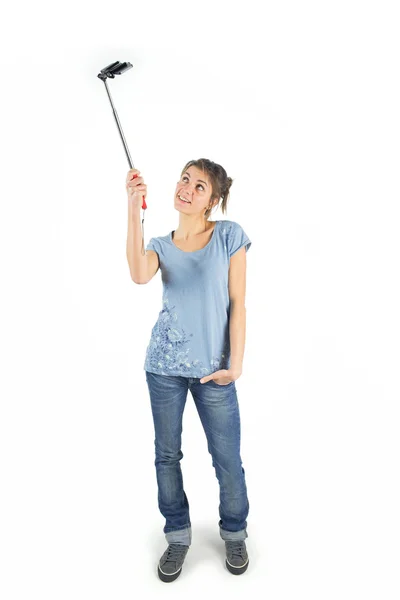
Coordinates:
(117, 68)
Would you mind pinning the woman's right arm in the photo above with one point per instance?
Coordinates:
(138, 262)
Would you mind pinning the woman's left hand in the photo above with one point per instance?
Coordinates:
(223, 376)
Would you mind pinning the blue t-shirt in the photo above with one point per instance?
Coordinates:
(191, 335)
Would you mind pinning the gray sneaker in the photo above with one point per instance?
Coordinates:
(170, 565)
(237, 559)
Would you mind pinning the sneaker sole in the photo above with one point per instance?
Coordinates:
(167, 578)
(236, 570)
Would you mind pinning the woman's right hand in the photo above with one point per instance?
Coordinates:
(136, 189)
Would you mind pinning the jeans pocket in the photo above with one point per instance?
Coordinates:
(221, 384)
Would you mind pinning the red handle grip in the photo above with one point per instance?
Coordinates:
(144, 205)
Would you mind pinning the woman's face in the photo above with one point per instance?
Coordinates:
(195, 187)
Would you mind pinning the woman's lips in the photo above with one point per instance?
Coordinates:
(183, 202)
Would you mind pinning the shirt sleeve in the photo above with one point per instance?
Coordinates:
(151, 245)
(237, 239)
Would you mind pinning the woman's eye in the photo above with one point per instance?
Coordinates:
(183, 179)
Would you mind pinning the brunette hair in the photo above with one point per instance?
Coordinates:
(220, 182)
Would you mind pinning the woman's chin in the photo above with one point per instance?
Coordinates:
(180, 206)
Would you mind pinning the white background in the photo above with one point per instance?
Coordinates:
(299, 101)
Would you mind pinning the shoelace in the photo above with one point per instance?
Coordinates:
(237, 549)
(175, 551)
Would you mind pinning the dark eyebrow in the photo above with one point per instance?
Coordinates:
(186, 173)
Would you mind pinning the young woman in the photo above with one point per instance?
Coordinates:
(196, 344)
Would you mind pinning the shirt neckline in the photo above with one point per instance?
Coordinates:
(200, 249)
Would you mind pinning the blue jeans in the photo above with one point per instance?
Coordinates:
(218, 410)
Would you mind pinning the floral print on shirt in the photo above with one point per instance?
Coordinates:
(166, 353)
